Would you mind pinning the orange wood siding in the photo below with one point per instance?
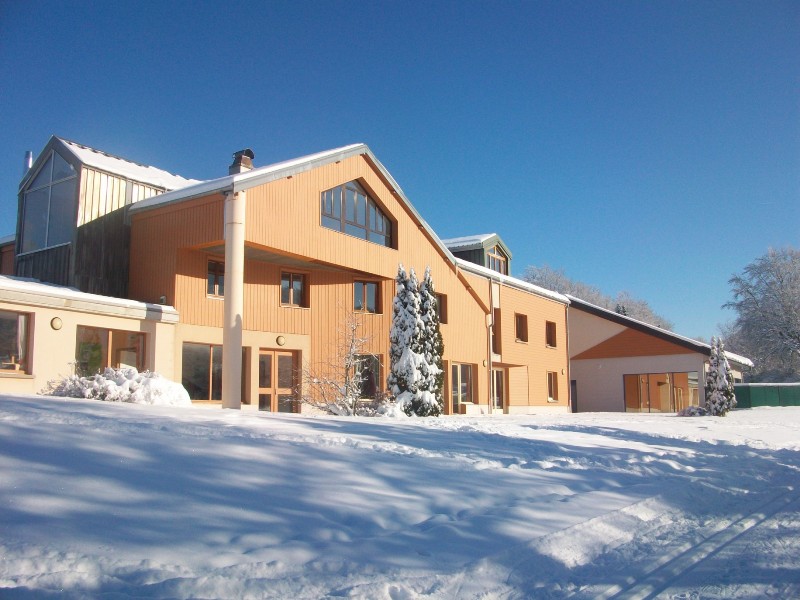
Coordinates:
(632, 343)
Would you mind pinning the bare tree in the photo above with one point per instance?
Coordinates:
(337, 385)
(767, 326)
(624, 303)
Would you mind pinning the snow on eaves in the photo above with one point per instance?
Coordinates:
(127, 168)
(248, 179)
(577, 302)
(467, 241)
(465, 265)
(37, 293)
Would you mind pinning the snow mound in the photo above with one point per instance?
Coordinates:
(123, 385)
(693, 411)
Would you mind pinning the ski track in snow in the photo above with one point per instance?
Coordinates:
(121, 501)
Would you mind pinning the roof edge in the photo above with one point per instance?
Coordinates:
(519, 284)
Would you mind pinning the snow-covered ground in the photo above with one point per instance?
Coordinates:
(103, 500)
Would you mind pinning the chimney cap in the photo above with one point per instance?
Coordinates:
(246, 152)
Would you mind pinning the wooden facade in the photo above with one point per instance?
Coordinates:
(173, 243)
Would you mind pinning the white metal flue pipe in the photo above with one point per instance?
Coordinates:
(235, 207)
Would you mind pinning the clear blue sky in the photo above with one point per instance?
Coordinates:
(652, 147)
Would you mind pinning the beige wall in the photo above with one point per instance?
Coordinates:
(52, 351)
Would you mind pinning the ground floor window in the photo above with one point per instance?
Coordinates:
(14, 328)
(97, 348)
(552, 386)
(202, 371)
(369, 366)
(461, 385)
(661, 392)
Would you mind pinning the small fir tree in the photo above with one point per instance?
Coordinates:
(720, 397)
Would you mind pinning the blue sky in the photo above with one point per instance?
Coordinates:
(652, 147)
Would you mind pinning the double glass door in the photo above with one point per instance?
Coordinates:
(277, 381)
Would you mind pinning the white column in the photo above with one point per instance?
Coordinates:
(235, 204)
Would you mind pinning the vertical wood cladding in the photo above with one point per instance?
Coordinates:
(51, 265)
(102, 254)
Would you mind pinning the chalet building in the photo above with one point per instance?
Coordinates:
(621, 364)
(236, 284)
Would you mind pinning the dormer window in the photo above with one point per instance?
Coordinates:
(496, 260)
(349, 209)
(49, 217)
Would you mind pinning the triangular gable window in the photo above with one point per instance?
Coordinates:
(49, 210)
(350, 209)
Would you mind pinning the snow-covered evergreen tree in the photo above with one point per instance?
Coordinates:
(409, 370)
(720, 397)
(431, 347)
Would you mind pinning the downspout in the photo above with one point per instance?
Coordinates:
(572, 408)
(235, 208)
(490, 332)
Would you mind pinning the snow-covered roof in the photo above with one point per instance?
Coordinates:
(465, 265)
(467, 241)
(7, 239)
(663, 333)
(36, 293)
(126, 168)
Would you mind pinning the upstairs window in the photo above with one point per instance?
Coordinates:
(49, 215)
(550, 334)
(366, 296)
(496, 260)
(441, 308)
(349, 209)
(293, 289)
(216, 278)
(521, 327)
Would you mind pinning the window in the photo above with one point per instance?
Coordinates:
(550, 334)
(496, 260)
(366, 297)
(521, 327)
(202, 371)
(552, 386)
(49, 216)
(441, 308)
(97, 348)
(661, 392)
(369, 366)
(349, 209)
(293, 289)
(216, 278)
(460, 385)
(14, 329)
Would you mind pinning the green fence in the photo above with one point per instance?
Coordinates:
(750, 395)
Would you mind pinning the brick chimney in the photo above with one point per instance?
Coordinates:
(242, 161)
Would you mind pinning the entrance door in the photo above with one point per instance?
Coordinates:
(498, 388)
(277, 381)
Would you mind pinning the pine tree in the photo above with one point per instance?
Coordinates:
(720, 397)
(431, 346)
(412, 375)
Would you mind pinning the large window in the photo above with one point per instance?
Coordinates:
(216, 278)
(366, 296)
(661, 392)
(293, 289)
(49, 215)
(349, 209)
(460, 386)
(496, 260)
(202, 371)
(14, 342)
(369, 367)
(97, 348)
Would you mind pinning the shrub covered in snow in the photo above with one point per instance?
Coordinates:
(122, 385)
(693, 411)
(720, 396)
